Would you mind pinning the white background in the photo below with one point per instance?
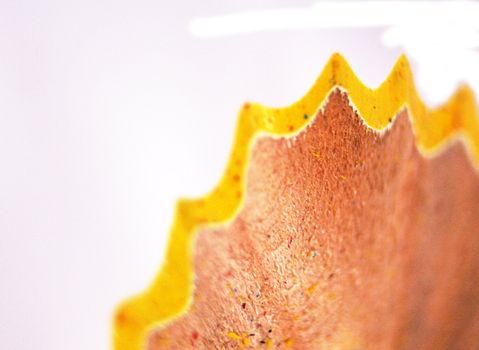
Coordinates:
(109, 111)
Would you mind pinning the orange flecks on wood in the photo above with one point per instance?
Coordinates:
(315, 154)
(246, 341)
(159, 341)
(312, 288)
(233, 335)
(331, 296)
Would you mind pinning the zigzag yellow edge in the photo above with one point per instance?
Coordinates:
(170, 293)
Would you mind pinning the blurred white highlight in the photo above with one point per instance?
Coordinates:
(442, 38)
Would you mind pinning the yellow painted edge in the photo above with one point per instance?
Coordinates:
(170, 293)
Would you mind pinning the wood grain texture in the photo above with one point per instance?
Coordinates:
(346, 240)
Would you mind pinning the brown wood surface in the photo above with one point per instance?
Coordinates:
(346, 240)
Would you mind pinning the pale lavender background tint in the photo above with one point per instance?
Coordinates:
(109, 110)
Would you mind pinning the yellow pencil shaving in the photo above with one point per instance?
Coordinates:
(170, 293)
